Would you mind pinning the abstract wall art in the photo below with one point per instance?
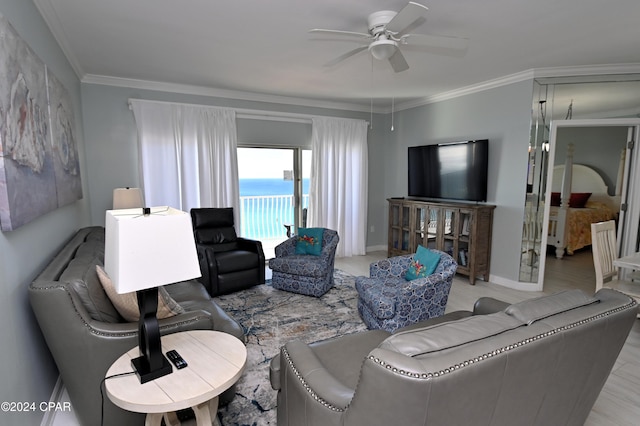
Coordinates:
(39, 167)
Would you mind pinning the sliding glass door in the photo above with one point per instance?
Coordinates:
(274, 193)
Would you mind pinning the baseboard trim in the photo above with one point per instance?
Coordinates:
(515, 285)
(381, 247)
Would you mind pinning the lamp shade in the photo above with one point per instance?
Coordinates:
(127, 198)
(146, 251)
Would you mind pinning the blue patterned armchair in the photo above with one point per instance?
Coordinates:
(386, 300)
(305, 273)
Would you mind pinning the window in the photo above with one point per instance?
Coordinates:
(274, 192)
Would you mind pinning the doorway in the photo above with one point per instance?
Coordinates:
(622, 185)
(274, 193)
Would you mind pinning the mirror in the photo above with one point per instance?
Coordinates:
(564, 98)
(536, 171)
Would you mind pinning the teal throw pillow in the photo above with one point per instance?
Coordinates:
(309, 241)
(423, 264)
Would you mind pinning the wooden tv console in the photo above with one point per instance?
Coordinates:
(463, 230)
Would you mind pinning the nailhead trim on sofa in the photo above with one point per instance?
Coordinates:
(500, 350)
(431, 375)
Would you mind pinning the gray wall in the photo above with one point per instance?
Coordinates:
(27, 371)
(273, 133)
(502, 115)
(111, 136)
(381, 172)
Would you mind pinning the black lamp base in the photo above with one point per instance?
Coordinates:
(144, 373)
(152, 363)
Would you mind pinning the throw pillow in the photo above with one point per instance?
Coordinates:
(423, 264)
(127, 303)
(576, 199)
(309, 241)
(579, 199)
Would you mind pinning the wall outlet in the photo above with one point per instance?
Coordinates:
(372, 229)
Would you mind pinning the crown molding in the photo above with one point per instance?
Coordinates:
(614, 72)
(550, 75)
(611, 72)
(222, 93)
(468, 90)
(50, 16)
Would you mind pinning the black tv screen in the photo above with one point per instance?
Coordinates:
(455, 171)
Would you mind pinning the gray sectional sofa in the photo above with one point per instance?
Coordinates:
(540, 362)
(85, 333)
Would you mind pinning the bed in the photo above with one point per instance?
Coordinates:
(573, 211)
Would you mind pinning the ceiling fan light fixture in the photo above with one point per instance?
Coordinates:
(383, 48)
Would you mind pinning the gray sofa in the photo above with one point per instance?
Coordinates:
(85, 333)
(539, 362)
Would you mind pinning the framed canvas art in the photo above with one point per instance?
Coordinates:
(39, 168)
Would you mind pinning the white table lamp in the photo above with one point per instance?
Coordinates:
(127, 198)
(144, 249)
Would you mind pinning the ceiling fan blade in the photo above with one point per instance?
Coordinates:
(340, 33)
(397, 61)
(445, 42)
(345, 56)
(407, 16)
(411, 27)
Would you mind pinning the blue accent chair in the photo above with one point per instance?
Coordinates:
(386, 300)
(305, 273)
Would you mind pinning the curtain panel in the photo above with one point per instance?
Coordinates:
(188, 155)
(339, 176)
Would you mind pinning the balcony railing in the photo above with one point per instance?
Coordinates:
(263, 216)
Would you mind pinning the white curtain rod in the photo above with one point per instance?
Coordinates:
(252, 114)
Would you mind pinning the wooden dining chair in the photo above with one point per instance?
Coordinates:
(604, 248)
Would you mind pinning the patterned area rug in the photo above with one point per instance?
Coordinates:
(270, 319)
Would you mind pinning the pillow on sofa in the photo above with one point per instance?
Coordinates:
(127, 304)
(80, 274)
(309, 241)
(423, 264)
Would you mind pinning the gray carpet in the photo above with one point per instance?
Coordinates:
(271, 318)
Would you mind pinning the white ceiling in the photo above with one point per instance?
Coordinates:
(261, 47)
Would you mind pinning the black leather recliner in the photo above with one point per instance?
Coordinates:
(228, 263)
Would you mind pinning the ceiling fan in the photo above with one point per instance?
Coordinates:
(388, 30)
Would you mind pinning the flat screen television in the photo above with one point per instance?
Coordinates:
(453, 171)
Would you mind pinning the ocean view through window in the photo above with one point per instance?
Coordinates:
(268, 191)
(267, 205)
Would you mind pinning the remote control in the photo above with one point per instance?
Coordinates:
(176, 359)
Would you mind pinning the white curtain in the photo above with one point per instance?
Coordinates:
(188, 155)
(338, 187)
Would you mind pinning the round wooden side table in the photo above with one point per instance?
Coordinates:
(215, 362)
